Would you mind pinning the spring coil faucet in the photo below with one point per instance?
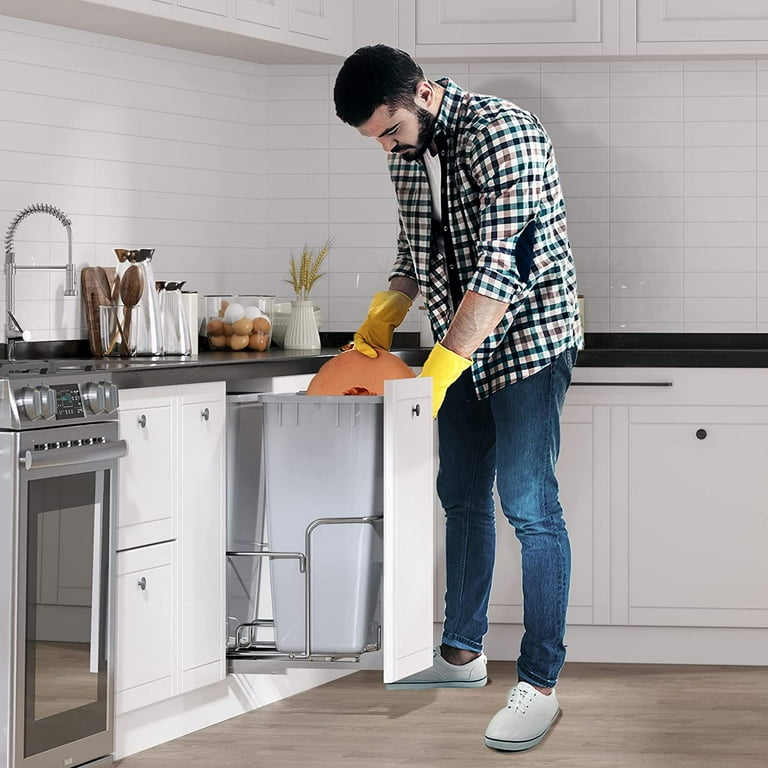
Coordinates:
(13, 329)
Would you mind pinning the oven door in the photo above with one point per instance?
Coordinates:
(64, 677)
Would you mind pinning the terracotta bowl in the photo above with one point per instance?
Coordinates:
(353, 373)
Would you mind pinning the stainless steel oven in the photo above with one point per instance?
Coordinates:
(59, 452)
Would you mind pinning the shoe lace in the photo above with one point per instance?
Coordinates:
(520, 699)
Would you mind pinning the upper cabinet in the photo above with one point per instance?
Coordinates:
(736, 27)
(498, 29)
(265, 31)
(487, 29)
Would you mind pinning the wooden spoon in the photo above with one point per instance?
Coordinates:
(131, 289)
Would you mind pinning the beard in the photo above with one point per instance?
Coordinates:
(423, 140)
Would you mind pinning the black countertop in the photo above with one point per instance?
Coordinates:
(601, 350)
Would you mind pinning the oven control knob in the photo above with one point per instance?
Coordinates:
(30, 403)
(47, 401)
(111, 398)
(93, 394)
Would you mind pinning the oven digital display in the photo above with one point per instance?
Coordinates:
(69, 404)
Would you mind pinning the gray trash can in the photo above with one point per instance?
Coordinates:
(323, 458)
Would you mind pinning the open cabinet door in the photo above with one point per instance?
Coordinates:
(409, 487)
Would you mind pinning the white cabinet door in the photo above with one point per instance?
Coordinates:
(698, 520)
(147, 491)
(408, 528)
(144, 627)
(202, 639)
(738, 27)
(490, 28)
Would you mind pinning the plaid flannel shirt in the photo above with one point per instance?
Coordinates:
(504, 230)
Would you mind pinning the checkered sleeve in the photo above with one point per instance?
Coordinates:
(508, 161)
(403, 266)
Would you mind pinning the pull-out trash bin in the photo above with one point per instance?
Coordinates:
(323, 460)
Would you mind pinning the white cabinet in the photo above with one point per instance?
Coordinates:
(268, 31)
(488, 29)
(738, 27)
(201, 537)
(147, 497)
(698, 516)
(663, 484)
(170, 589)
(145, 620)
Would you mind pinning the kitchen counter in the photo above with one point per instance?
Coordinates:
(609, 350)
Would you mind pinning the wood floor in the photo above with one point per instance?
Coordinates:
(613, 716)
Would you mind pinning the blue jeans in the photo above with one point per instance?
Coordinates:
(512, 437)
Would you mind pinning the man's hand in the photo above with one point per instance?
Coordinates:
(386, 311)
(444, 367)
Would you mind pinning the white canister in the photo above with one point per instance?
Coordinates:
(189, 300)
(426, 339)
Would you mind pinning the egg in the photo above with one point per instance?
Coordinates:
(252, 312)
(228, 329)
(243, 326)
(218, 342)
(261, 325)
(233, 312)
(215, 327)
(238, 342)
(258, 341)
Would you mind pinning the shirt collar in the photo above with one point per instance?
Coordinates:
(447, 117)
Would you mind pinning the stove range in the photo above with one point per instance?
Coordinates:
(42, 393)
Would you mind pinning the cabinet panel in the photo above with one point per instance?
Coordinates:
(310, 17)
(264, 12)
(693, 20)
(217, 7)
(147, 493)
(408, 528)
(144, 627)
(698, 520)
(495, 21)
(201, 538)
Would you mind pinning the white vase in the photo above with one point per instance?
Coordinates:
(302, 330)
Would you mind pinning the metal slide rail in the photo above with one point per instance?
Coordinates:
(250, 649)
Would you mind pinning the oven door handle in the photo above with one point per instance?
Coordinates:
(73, 455)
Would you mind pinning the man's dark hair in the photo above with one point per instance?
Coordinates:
(372, 76)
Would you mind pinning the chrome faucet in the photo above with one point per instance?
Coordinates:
(13, 329)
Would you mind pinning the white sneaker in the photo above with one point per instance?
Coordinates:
(525, 720)
(443, 674)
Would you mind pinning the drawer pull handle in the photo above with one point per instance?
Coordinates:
(206, 414)
(142, 421)
(142, 583)
(416, 410)
(701, 433)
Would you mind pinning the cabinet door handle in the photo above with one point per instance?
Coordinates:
(701, 433)
(142, 421)
(206, 414)
(416, 410)
(142, 583)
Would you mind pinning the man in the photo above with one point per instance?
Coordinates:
(483, 240)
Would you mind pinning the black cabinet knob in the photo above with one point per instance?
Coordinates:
(701, 433)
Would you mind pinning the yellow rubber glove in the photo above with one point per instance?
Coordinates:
(444, 367)
(386, 311)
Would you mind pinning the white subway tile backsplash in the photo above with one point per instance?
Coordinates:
(646, 159)
(226, 167)
(645, 84)
(646, 109)
(726, 259)
(726, 209)
(646, 209)
(726, 159)
(722, 285)
(726, 184)
(719, 108)
(646, 184)
(714, 83)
